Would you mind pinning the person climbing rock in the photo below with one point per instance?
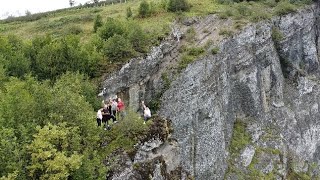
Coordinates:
(146, 114)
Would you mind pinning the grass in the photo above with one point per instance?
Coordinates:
(158, 24)
(189, 55)
(125, 134)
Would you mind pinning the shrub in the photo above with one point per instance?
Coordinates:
(178, 5)
(259, 14)
(243, 9)
(97, 23)
(215, 50)
(276, 35)
(110, 28)
(190, 35)
(74, 30)
(118, 48)
(226, 13)
(284, 7)
(144, 9)
(195, 51)
(137, 38)
(129, 12)
(225, 32)
(185, 61)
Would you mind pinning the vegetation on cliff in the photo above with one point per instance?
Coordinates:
(48, 66)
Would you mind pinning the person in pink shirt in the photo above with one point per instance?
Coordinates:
(121, 108)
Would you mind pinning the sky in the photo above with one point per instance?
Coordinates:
(19, 7)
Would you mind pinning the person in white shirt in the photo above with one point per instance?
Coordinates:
(146, 114)
(99, 117)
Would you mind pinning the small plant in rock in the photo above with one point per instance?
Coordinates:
(215, 50)
(225, 32)
(195, 51)
(276, 35)
(190, 35)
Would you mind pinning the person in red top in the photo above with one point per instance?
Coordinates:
(121, 108)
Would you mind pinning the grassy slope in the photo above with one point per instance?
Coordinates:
(60, 23)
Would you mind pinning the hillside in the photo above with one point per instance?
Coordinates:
(233, 88)
(80, 20)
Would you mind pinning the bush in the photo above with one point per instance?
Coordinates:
(129, 12)
(185, 61)
(97, 23)
(284, 7)
(117, 48)
(178, 5)
(195, 51)
(110, 28)
(144, 9)
(276, 35)
(74, 30)
(137, 38)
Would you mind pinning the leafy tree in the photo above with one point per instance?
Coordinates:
(144, 9)
(54, 152)
(9, 152)
(97, 23)
(178, 5)
(12, 56)
(117, 48)
(95, 1)
(60, 56)
(71, 3)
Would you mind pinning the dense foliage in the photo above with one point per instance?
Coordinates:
(48, 131)
(47, 117)
(122, 40)
(178, 5)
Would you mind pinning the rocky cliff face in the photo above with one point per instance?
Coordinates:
(252, 110)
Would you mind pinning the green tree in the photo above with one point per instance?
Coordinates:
(9, 152)
(178, 5)
(117, 48)
(12, 56)
(60, 56)
(54, 152)
(97, 23)
(144, 9)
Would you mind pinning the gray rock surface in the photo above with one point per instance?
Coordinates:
(271, 85)
(275, 83)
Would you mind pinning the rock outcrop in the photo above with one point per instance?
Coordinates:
(265, 78)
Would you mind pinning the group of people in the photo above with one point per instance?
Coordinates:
(112, 108)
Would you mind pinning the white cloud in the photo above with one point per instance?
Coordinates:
(19, 7)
